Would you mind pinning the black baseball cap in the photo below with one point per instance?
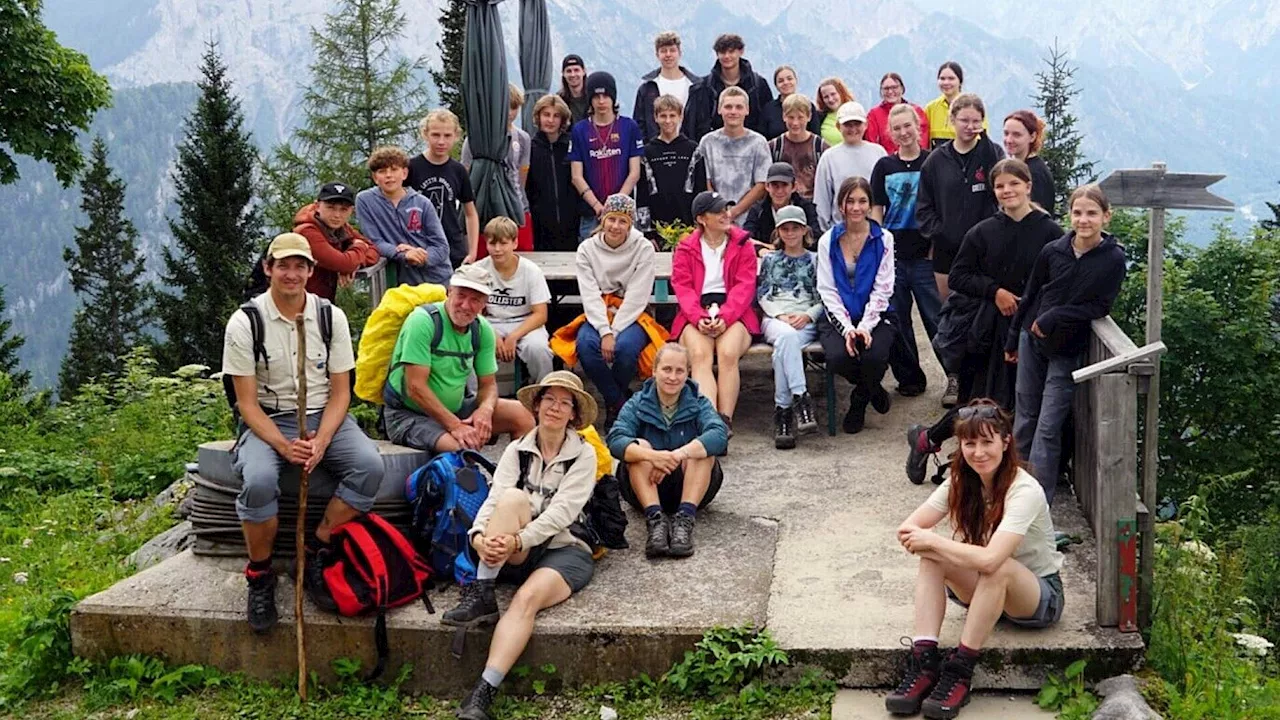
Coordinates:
(572, 59)
(781, 172)
(336, 191)
(710, 201)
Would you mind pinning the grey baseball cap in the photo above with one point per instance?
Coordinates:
(790, 214)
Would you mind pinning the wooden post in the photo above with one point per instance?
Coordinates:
(1151, 430)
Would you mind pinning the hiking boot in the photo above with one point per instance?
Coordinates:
(952, 691)
(912, 389)
(806, 418)
(313, 578)
(681, 535)
(880, 399)
(478, 606)
(919, 676)
(857, 415)
(476, 705)
(951, 395)
(728, 423)
(918, 455)
(659, 542)
(784, 436)
(261, 610)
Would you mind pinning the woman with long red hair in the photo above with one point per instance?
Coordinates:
(1001, 561)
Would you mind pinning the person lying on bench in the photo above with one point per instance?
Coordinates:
(263, 372)
(666, 439)
(1002, 563)
(523, 533)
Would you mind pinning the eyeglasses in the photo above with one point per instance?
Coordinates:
(982, 412)
(561, 404)
(890, 88)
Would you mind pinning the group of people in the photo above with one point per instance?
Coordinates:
(810, 221)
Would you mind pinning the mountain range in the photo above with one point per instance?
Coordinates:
(1186, 83)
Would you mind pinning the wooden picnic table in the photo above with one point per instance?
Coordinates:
(560, 268)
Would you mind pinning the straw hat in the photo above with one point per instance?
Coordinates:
(567, 380)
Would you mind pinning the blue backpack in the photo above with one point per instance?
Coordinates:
(446, 494)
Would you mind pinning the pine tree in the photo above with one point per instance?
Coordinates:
(448, 79)
(105, 270)
(362, 94)
(218, 234)
(9, 347)
(1273, 222)
(1056, 90)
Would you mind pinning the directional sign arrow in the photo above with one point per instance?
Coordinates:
(1155, 188)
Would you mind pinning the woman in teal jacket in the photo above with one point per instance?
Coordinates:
(666, 438)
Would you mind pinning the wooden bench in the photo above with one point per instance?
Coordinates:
(814, 357)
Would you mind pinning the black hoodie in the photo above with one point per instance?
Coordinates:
(760, 223)
(1065, 293)
(647, 93)
(1000, 252)
(773, 122)
(704, 105)
(553, 203)
(956, 192)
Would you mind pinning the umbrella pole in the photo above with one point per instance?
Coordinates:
(300, 528)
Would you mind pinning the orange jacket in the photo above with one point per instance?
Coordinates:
(564, 341)
(333, 256)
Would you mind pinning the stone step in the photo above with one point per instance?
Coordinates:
(214, 460)
(869, 705)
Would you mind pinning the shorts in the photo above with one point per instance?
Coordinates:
(419, 430)
(943, 256)
(671, 489)
(572, 562)
(1048, 611)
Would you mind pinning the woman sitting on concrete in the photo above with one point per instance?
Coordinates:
(1001, 564)
(522, 533)
(667, 438)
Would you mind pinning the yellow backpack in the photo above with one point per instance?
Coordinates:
(378, 341)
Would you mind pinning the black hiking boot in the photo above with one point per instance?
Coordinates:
(728, 423)
(919, 676)
(856, 418)
(918, 455)
(659, 542)
(952, 691)
(478, 606)
(681, 535)
(880, 399)
(784, 436)
(261, 612)
(806, 418)
(476, 705)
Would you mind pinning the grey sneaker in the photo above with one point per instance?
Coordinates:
(659, 541)
(806, 418)
(681, 535)
(951, 395)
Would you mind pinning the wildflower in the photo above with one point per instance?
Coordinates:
(1254, 644)
(20, 578)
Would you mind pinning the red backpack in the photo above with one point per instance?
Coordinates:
(375, 568)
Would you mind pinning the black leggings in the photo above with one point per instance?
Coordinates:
(866, 369)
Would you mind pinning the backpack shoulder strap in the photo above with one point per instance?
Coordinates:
(437, 335)
(776, 146)
(475, 337)
(525, 461)
(817, 145)
(324, 315)
(257, 329)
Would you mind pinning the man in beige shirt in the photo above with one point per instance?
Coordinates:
(266, 391)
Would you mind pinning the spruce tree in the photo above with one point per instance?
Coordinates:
(105, 270)
(1056, 90)
(10, 344)
(448, 79)
(218, 233)
(362, 94)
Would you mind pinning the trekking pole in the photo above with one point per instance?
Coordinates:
(300, 536)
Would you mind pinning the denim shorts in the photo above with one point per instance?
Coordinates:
(1048, 611)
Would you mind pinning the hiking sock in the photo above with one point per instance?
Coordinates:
(492, 675)
(924, 642)
(485, 571)
(967, 655)
(652, 511)
(258, 567)
(688, 508)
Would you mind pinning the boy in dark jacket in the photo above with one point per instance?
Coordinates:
(1075, 281)
(781, 186)
(670, 78)
(664, 170)
(553, 204)
(445, 182)
(730, 69)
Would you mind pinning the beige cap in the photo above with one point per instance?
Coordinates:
(472, 277)
(289, 245)
(587, 409)
(851, 111)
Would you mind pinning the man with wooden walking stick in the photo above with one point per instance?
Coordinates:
(261, 353)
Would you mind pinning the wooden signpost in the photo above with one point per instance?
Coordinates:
(1157, 190)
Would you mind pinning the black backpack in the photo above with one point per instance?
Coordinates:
(602, 524)
(258, 329)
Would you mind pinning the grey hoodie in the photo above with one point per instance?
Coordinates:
(626, 270)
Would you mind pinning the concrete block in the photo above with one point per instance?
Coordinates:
(214, 459)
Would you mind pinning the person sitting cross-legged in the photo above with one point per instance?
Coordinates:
(428, 403)
(1001, 561)
(266, 391)
(522, 533)
(666, 439)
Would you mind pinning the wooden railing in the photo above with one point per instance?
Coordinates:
(1105, 465)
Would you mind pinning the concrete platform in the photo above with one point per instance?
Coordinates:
(869, 705)
(637, 616)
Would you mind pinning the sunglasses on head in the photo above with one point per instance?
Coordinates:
(983, 412)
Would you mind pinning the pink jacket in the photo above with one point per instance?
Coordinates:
(687, 273)
(878, 127)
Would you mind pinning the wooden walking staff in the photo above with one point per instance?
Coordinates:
(300, 537)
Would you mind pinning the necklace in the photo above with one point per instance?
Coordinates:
(604, 137)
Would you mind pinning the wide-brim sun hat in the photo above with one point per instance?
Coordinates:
(587, 409)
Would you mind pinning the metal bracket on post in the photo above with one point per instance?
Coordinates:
(1127, 547)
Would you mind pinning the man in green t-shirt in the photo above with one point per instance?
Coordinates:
(429, 406)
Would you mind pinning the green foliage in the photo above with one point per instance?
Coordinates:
(1055, 92)
(50, 92)
(672, 233)
(106, 273)
(725, 659)
(1066, 694)
(448, 79)
(362, 95)
(218, 233)
(1260, 567)
(10, 343)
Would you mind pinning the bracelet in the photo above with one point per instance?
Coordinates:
(519, 542)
